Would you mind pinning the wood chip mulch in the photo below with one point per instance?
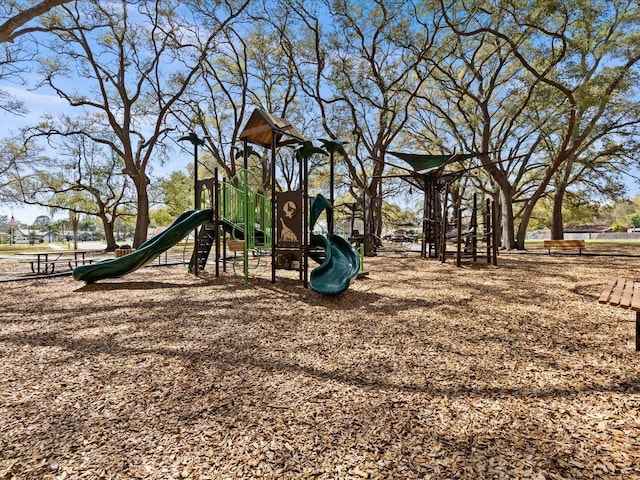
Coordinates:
(422, 370)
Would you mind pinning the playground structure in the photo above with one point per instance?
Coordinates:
(444, 221)
(241, 216)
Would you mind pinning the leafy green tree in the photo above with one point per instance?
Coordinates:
(541, 215)
(64, 228)
(87, 224)
(581, 57)
(42, 223)
(394, 215)
(160, 217)
(634, 219)
(619, 213)
(579, 209)
(471, 105)
(176, 193)
(601, 62)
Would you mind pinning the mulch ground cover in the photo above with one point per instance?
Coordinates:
(421, 370)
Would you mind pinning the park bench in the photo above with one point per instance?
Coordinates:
(624, 293)
(564, 245)
(235, 245)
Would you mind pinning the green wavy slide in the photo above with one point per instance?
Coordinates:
(341, 263)
(145, 253)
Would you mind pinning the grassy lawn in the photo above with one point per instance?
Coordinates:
(6, 249)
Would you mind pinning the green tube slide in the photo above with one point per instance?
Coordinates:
(341, 263)
(146, 252)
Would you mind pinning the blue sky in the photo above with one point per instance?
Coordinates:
(38, 104)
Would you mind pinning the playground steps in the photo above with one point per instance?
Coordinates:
(206, 239)
(317, 254)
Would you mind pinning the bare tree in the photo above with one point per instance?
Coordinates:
(249, 70)
(84, 178)
(134, 61)
(362, 69)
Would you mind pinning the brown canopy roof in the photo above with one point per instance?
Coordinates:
(261, 128)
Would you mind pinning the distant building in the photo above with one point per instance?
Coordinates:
(588, 229)
(15, 235)
(585, 231)
(579, 232)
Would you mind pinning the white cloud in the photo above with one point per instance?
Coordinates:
(36, 103)
(34, 98)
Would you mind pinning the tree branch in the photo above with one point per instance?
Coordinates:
(9, 29)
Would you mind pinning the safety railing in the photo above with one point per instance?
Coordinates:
(248, 211)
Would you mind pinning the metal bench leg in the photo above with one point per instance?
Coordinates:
(637, 331)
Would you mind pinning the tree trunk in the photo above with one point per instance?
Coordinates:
(521, 235)
(110, 238)
(507, 224)
(557, 229)
(109, 235)
(376, 219)
(369, 215)
(557, 219)
(506, 227)
(142, 219)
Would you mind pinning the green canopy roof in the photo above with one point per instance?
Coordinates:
(427, 163)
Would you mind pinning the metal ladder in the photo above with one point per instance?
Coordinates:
(206, 239)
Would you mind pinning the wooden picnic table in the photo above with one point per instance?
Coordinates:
(80, 256)
(45, 262)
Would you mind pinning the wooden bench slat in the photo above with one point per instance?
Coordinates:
(606, 293)
(627, 294)
(564, 243)
(616, 296)
(235, 245)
